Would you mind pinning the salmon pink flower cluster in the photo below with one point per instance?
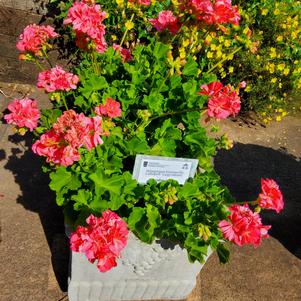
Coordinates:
(34, 37)
(124, 53)
(87, 24)
(141, 2)
(60, 145)
(166, 20)
(271, 196)
(219, 12)
(24, 113)
(244, 226)
(57, 79)
(102, 240)
(223, 100)
(111, 108)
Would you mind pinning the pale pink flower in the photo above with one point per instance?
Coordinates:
(166, 20)
(101, 240)
(223, 101)
(93, 137)
(111, 108)
(244, 226)
(271, 195)
(24, 113)
(34, 37)
(124, 53)
(242, 85)
(87, 24)
(57, 79)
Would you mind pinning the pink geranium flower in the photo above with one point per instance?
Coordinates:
(141, 2)
(217, 12)
(24, 113)
(271, 196)
(166, 20)
(223, 101)
(61, 144)
(244, 226)
(34, 37)
(124, 53)
(111, 108)
(102, 240)
(87, 24)
(57, 79)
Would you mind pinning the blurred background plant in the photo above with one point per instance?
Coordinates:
(264, 50)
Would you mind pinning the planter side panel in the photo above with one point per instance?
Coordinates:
(145, 272)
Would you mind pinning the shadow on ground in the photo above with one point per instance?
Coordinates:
(241, 169)
(37, 197)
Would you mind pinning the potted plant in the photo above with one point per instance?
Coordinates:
(127, 150)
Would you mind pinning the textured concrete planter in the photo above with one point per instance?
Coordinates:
(145, 272)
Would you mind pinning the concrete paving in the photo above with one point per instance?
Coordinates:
(34, 251)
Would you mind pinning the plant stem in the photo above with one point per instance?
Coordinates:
(64, 102)
(225, 59)
(39, 65)
(126, 31)
(174, 113)
(47, 58)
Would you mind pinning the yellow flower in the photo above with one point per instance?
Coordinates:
(278, 118)
(227, 43)
(286, 71)
(212, 46)
(264, 11)
(114, 37)
(274, 80)
(276, 11)
(120, 3)
(209, 55)
(129, 25)
(279, 39)
(231, 69)
(280, 67)
(219, 54)
(186, 43)
(280, 85)
(273, 53)
(182, 53)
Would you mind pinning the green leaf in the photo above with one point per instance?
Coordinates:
(160, 50)
(81, 198)
(154, 101)
(191, 67)
(104, 183)
(62, 180)
(137, 146)
(223, 253)
(188, 190)
(136, 215)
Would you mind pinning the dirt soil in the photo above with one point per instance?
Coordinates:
(34, 250)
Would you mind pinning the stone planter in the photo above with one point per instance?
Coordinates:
(145, 272)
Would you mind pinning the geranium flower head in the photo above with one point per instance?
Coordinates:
(57, 79)
(166, 20)
(244, 226)
(24, 113)
(223, 101)
(271, 195)
(141, 2)
(61, 144)
(111, 108)
(124, 53)
(34, 37)
(87, 24)
(102, 240)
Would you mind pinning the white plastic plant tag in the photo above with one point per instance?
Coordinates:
(163, 168)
